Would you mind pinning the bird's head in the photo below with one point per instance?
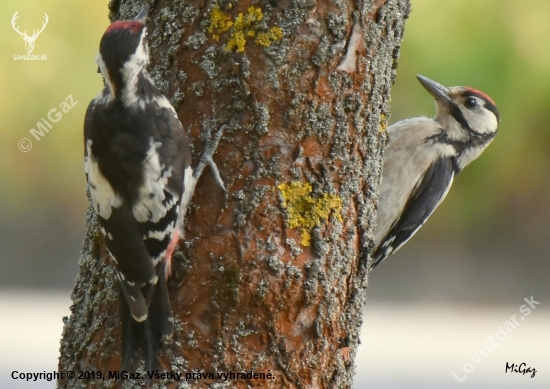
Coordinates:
(124, 51)
(462, 108)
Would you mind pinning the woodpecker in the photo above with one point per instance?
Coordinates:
(138, 169)
(422, 157)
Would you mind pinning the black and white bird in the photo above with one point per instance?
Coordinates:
(422, 157)
(138, 168)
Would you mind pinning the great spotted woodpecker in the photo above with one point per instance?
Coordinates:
(422, 157)
(138, 168)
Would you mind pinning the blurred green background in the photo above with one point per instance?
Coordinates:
(500, 47)
(495, 219)
(489, 241)
(42, 197)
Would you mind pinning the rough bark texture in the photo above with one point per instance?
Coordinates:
(269, 276)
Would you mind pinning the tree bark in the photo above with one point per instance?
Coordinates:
(269, 277)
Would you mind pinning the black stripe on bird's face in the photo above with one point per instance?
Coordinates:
(457, 115)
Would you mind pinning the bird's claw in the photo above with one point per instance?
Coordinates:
(207, 159)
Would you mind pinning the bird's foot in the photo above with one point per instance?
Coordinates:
(207, 160)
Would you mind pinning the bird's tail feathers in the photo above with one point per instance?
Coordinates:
(147, 335)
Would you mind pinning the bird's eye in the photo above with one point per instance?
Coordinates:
(470, 103)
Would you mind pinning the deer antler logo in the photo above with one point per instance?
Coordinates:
(29, 40)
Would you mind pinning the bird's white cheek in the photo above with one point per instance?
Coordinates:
(483, 124)
(494, 123)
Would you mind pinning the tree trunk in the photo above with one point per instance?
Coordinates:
(269, 277)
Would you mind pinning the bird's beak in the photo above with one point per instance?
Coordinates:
(438, 91)
(142, 14)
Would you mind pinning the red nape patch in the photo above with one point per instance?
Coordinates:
(481, 94)
(133, 25)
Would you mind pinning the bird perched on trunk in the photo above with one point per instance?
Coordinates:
(138, 168)
(422, 157)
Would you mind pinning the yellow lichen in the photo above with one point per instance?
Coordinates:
(242, 27)
(237, 41)
(276, 33)
(383, 122)
(267, 38)
(304, 211)
(253, 15)
(306, 238)
(219, 22)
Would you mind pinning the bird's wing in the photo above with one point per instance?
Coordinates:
(128, 249)
(135, 175)
(426, 197)
(159, 205)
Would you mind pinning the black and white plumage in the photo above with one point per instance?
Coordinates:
(138, 167)
(422, 157)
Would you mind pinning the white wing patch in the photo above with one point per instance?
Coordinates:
(163, 102)
(104, 197)
(149, 206)
(158, 258)
(189, 183)
(160, 235)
